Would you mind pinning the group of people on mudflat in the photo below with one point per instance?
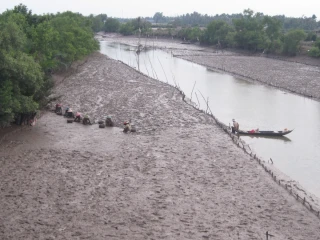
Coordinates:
(78, 117)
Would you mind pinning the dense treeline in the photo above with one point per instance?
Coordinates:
(31, 48)
(125, 26)
(253, 32)
(248, 30)
(196, 19)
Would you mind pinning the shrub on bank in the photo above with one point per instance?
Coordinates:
(314, 52)
(31, 48)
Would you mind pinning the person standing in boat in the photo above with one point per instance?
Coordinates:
(235, 127)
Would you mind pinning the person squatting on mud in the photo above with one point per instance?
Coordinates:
(86, 120)
(66, 112)
(109, 122)
(127, 127)
(58, 109)
(78, 117)
(69, 113)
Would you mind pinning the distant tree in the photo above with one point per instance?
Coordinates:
(22, 9)
(305, 23)
(158, 17)
(111, 25)
(317, 44)
(75, 37)
(311, 36)
(98, 22)
(194, 34)
(142, 24)
(272, 28)
(217, 32)
(292, 40)
(44, 48)
(315, 50)
(249, 32)
(126, 29)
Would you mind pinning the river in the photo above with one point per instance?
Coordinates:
(252, 105)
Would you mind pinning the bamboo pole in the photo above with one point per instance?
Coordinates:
(197, 99)
(192, 90)
(163, 70)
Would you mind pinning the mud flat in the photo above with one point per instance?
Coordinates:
(300, 75)
(293, 77)
(179, 177)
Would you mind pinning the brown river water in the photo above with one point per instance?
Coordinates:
(252, 105)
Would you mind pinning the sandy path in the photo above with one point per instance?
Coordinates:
(179, 177)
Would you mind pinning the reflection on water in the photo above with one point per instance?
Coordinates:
(252, 105)
(283, 138)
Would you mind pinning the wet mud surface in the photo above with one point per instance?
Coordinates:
(179, 177)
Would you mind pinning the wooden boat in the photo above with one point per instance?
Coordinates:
(265, 133)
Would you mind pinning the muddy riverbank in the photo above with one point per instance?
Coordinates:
(179, 177)
(300, 75)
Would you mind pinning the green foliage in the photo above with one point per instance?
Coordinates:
(191, 34)
(127, 29)
(44, 49)
(230, 39)
(20, 76)
(218, 32)
(135, 26)
(158, 17)
(305, 23)
(31, 47)
(317, 44)
(291, 43)
(23, 10)
(140, 24)
(249, 31)
(273, 46)
(197, 19)
(314, 52)
(272, 28)
(311, 36)
(75, 37)
(98, 22)
(8, 104)
(164, 32)
(111, 25)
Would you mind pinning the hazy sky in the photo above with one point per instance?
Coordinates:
(144, 8)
